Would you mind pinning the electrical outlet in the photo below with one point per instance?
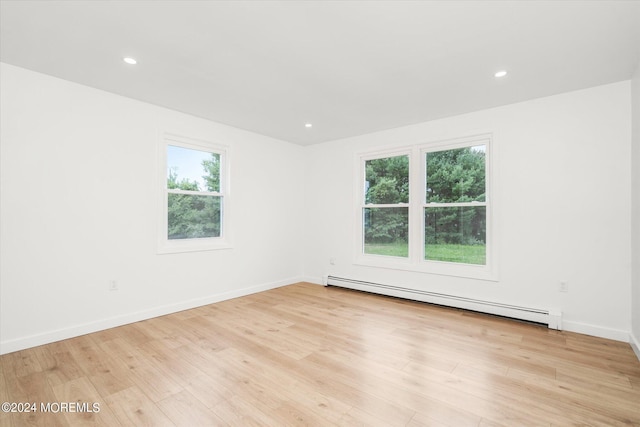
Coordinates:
(113, 285)
(564, 286)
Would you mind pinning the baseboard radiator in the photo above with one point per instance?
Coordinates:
(549, 317)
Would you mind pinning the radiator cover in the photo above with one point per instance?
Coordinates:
(549, 317)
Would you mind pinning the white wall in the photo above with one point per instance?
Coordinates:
(635, 212)
(78, 208)
(561, 203)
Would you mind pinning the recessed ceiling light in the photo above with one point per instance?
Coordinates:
(130, 60)
(308, 125)
(501, 73)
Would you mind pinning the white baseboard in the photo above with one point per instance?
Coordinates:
(581, 328)
(635, 344)
(596, 331)
(10, 346)
(312, 279)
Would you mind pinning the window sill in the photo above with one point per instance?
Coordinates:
(192, 245)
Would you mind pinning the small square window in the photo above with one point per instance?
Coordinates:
(194, 195)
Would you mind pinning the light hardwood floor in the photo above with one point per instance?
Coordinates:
(309, 355)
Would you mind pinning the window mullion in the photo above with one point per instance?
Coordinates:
(388, 205)
(195, 193)
(416, 197)
(454, 204)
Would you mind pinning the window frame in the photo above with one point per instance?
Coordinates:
(166, 245)
(362, 198)
(417, 203)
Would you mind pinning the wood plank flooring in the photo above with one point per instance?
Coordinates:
(309, 355)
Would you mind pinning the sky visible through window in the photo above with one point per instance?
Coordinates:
(187, 163)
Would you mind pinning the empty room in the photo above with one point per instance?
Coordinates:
(349, 213)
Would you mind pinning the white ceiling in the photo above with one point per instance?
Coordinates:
(348, 67)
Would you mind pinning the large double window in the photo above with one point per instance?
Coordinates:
(194, 200)
(427, 208)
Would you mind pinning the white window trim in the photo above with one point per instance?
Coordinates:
(165, 245)
(360, 199)
(417, 190)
